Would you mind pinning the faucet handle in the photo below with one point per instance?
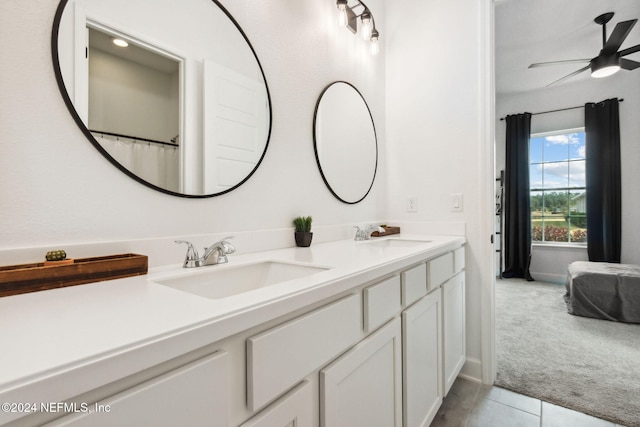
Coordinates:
(228, 247)
(192, 252)
(192, 259)
(359, 233)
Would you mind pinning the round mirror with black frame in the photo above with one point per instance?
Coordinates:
(345, 142)
(171, 92)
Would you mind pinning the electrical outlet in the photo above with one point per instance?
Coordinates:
(456, 202)
(412, 204)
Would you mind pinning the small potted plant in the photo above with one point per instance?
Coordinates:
(303, 232)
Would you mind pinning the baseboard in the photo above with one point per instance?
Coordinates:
(472, 370)
(548, 277)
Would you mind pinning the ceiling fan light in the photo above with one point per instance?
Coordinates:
(604, 66)
(605, 72)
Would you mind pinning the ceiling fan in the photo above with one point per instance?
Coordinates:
(609, 60)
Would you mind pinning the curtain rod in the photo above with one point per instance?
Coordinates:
(135, 138)
(560, 109)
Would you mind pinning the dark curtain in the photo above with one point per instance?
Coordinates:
(517, 211)
(602, 130)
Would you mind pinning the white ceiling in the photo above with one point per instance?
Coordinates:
(530, 31)
(132, 53)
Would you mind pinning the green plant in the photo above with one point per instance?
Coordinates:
(578, 219)
(302, 223)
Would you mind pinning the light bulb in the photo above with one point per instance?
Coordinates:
(366, 24)
(342, 17)
(375, 47)
(342, 12)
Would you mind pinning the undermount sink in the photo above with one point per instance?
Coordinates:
(217, 282)
(396, 243)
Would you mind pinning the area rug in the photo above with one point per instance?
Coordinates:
(589, 365)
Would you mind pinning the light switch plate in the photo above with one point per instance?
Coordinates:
(456, 202)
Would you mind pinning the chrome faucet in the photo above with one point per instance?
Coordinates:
(366, 233)
(214, 254)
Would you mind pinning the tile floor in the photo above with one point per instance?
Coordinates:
(470, 404)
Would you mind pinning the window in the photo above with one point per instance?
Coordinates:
(557, 187)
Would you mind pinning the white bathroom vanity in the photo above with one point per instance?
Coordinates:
(342, 333)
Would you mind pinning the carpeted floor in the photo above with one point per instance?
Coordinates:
(589, 365)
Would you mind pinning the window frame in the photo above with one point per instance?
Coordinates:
(567, 189)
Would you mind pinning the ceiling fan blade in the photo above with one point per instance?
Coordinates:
(568, 61)
(630, 50)
(627, 64)
(568, 76)
(617, 37)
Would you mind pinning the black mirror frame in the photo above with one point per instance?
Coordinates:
(315, 144)
(96, 144)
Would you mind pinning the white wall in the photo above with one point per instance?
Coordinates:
(56, 188)
(151, 103)
(551, 263)
(436, 135)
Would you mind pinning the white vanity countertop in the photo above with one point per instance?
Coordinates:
(92, 334)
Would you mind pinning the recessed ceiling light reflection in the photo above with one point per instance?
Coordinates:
(120, 42)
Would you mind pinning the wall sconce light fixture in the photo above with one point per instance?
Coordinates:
(348, 17)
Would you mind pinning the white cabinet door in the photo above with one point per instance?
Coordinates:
(193, 395)
(422, 360)
(295, 409)
(453, 315)
(363, 386)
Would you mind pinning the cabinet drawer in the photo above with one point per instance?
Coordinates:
(440, 269)
(458, 260)
(381, 302)
(279, 358)
(414, 284)
(194, 394)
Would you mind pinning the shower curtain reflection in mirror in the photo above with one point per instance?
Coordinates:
(155, 163)
(134, 93)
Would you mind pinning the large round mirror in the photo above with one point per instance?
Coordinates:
(170, 91)
(345, 142)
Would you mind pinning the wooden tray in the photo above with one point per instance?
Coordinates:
(23, 278)
(388, 231)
